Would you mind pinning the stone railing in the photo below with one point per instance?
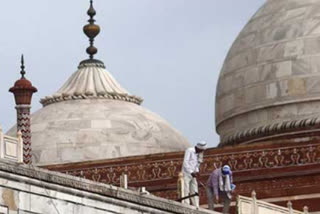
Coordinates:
(246, 205)
(11, 148)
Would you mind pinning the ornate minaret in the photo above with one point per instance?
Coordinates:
(23, 91)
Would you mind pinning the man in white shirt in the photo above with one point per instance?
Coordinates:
(193, 157)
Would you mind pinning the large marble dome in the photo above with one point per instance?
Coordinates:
(92, 118)
(269, 85)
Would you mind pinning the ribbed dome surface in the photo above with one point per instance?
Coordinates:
(91, 80)
(270, 82)
(92, 118)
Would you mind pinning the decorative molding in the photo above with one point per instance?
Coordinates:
(272, 105)
(270, 130)
(113, 96)
(159, 170)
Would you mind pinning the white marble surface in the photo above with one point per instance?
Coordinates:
(94, 129)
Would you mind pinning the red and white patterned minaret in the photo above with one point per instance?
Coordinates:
(23, 91)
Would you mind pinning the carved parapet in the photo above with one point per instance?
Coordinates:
(251, 205)
(152, 170)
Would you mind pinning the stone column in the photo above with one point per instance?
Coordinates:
(254, 209)
(180, 185)
(24, 125)
(124, 181)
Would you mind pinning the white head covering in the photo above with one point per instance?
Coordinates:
(225, 184)
(226, 169)
(201, 145)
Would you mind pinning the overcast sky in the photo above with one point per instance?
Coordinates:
(169, 52)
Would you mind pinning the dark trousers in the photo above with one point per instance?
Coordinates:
(222, 195)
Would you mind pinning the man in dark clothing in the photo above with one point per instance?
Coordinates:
(219, 186)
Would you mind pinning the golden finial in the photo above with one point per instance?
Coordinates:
(91, 30)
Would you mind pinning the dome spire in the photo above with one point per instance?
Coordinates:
(22, 72)
(91, 30)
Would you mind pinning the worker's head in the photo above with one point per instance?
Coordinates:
(201, 146)
(226, 170)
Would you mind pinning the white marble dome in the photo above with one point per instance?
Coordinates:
(269, 85)
(92, 117)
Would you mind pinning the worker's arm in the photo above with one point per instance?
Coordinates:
(200, 160)
(233, 186)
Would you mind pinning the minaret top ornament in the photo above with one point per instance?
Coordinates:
(91, 30)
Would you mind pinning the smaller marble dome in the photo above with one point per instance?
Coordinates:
(92, 118)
